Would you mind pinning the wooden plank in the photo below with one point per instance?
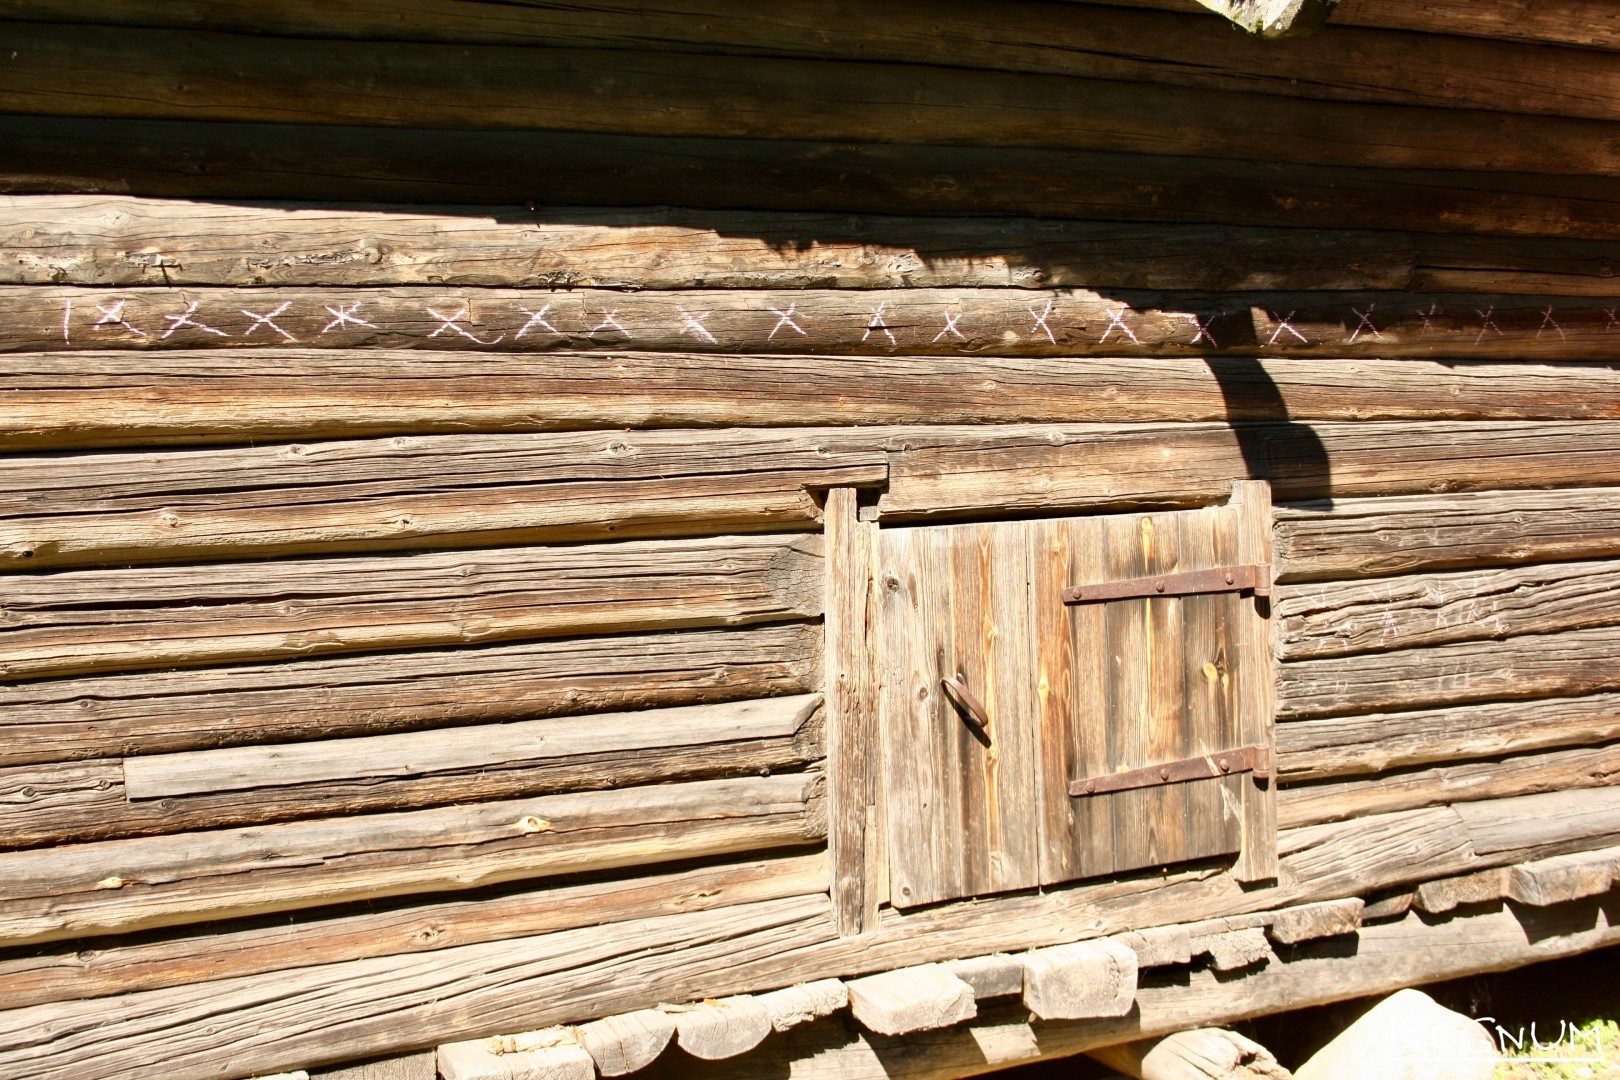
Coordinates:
(1235, 950)
(952, 471)
(107, 398)
(1564, 878)
(73, 719)
(853, 744)
(426, 753)
(1570, 664)
(60, 624)
(551, 1054)
(1556, 770)
(420, 925)
(721, 1028)
(481, 490)
(910, 999)
(125, 885)
(1008, 322)
(1312, 922)
(801, 1004)
(1072, 982)
(1344, 618)
(1447, 894)
(997, 975)
(301, 80)
(1361, 745)
(1376, 537)
(1549, 824)
(1253, 638)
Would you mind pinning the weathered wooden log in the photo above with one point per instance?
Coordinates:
(951, 471)
(419, 925)
(1556, 770)
(1339, 64)
(1352, 538)
(390, 493)
(156, 712)
(1447, 894)
(627, 1042)
(1344, 618)
(89, 400)
(60, 624)
(1197, 1054)
(550, 1054)
(1017, 322)
(801, 1004)
(1235, 950)
(1536, 826)
(1312, 922)
(996, 975)
(910, 999)
(1564, 878)
(1087, 978)
(242, 78)
(1570, 664)
(719, 1029)
(195, 159)
(1343, 747)
(123, 885)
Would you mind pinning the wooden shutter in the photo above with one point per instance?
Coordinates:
(1069, 692)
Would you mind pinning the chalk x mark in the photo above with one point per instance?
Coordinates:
(536, 318)
(693, 324)
(950, 327)
(1365, 324)
(1205, 331)
(1548, 320)
(1040, 321)
(785, 318)
(610, 321)
(114, 317)
(1487, 323)
(267, 320)
(1116, 321)
(877, 323)
(1285, 323)
(185, 319)
(452, 323)
(345, 315)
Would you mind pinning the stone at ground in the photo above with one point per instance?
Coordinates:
(1407, 1036)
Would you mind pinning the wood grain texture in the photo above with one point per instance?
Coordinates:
(71, 719)
(446, 490)
(127, 72)
(60, 624)
(200, 159)
(1345, 618)
(948, 471)
(1376, 537)
(1254, 636)
(417, 926)
(89, 400)
(1449, 784)
(1570, 664)
(1339, 747)
(125, 885)
(1537, 826)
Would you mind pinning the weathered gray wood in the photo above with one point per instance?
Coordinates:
(1368, 537)
(1352, 746)
(419, 1066)
(1234, 950)
(405, 492)
(1389, 905)
(1311, 922)
(425, 753)
(1549, 824)
(60, 624)
(552, 1054)
(418, 926)
(108, 398)
(910, 999)
(1072, 982)
(302, 80)
(1557, 770)
(1254, 635)
(997, 975)
(1447, 894)
(1159, 946)
(627, 1042)
(157, 712)
(722, 1028)
(1198, 1054)
(125, 885)
(1563, 878)
(1343, 618)
(953, 471)
(1570, 664)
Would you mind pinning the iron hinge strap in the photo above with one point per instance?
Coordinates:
(1242, 759)
(1248, 577)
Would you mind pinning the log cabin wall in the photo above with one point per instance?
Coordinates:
(448, 446)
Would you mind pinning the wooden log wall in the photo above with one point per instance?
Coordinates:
(418, 610)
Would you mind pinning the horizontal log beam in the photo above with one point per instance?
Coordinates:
(195, 159)
(1339, 747)
(96, 400)
(119, 886)
(1352, 538)
(102, 71)
(1421, 610)
(60, 624)
(1571, 664)
(73, 719)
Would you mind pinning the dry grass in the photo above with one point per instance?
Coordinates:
(1599, 1039)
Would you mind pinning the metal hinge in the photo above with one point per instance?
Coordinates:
(1242, 759)
(1249, 577)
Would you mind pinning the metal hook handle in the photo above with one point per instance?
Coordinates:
(966, 702)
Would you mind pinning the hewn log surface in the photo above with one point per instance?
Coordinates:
(60, 624)
(1352, 538)
(198, 159)
(128, 72)
(1360, 745)
(1569, 664)
(1557, 770)
(1344, 618)
(89, 400)
(1535, 826)
(125, 885)
(1338, 63)
(951, 471)
(71, 719)
(394, 493)
(884, 322)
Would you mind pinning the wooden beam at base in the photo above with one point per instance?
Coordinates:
(911, 999)
(1088, 978)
